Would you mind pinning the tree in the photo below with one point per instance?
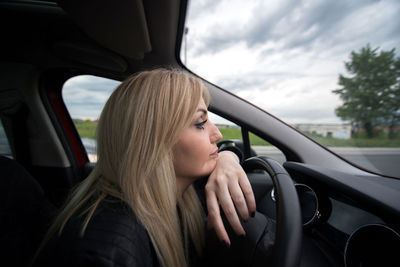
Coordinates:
(371, 94)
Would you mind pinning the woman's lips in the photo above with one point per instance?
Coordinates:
(214, 154)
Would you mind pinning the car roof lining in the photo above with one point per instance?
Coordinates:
(44, 34)
(121, 28)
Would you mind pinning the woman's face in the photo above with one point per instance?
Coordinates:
(196, 153)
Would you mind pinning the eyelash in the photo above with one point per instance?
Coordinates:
(200, 125)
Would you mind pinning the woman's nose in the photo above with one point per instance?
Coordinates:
(215, 134)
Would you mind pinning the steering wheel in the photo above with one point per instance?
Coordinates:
(267, 242)
(286, 250)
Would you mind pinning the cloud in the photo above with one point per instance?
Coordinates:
(295, 99)
(290, 23)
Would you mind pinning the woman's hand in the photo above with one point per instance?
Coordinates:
(229, 187)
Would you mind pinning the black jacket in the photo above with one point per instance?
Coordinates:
(114, 237)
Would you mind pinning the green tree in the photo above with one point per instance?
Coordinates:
(371, 94)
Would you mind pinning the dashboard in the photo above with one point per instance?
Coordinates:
(348, 220)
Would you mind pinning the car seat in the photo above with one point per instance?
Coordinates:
(25, 214)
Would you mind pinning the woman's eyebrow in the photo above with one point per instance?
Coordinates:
(204, 111)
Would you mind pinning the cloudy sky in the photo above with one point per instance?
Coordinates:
(85, 96)
(284, 56)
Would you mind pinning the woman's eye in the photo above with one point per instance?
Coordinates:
(200, 125)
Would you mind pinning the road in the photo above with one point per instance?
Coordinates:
(381, 160)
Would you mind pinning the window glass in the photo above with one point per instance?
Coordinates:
(85, 97)
(231, 131)
(329, 68)
(264, 148)
(5, 149)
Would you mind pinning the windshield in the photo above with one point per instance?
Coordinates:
(329, 68)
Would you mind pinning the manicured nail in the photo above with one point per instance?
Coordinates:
(253, 214)
(226, 244)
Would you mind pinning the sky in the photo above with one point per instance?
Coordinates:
(86, 95)
(284, 56)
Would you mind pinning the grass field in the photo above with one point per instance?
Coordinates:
(88, 129)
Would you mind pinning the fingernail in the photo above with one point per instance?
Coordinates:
(242, 235)
(253, 214)
(226, 244)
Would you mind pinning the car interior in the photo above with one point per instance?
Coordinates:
(326, 210)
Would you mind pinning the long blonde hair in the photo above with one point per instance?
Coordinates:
(139, 125)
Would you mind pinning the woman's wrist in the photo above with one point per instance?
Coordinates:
(233, 151)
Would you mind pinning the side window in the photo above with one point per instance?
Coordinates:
(5, 149)
(264, 148)
(84, 97)
(231, 131)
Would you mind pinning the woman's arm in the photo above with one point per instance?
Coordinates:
(229, 187)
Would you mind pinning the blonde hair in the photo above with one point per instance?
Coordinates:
(139, 125)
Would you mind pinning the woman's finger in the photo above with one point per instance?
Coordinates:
(225, 200)
(239, 200)
(214, 219)
(248, 193)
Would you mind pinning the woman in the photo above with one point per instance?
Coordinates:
(138, 207)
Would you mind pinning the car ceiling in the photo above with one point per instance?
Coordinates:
(140, 34)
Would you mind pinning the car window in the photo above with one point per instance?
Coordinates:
(261, 147)
(331, 69)
(5, 149)
(85, 96)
